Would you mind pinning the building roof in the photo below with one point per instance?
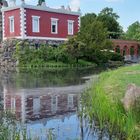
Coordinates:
(42, 8)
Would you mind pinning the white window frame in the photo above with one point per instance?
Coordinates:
(37, 28)
(12, 24)
(70, 101)
(54, 103)
(36, 105)
(70, 29)
(56, 25)
(13, 104)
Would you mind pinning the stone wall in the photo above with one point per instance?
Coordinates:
(7, 50)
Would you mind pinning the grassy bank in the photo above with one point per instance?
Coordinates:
(103, 103)
(53, 64)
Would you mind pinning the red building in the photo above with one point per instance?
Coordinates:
(39, 22)
(38, 103)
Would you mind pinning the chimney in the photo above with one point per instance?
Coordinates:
(68, 8)
(79, 10)
(63, 7)
(43, 4)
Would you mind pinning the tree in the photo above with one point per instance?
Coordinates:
(133, 32)
(75, 48)
(109, 20)
(94, 36)
(87, 19)
(109, 12)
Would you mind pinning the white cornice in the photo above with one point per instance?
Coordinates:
(38, 37)
(42, 8)
(46, 38)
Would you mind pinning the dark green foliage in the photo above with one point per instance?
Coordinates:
(87, 19)
(94, 35)
(109, 20)
(133, 32)
(44, 56)
(116, 57)
(27, 55)
(75, 48)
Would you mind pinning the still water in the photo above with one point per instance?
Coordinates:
(47, 101)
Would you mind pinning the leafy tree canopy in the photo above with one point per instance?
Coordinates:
(133, 32)
(87, 19)
(109, 12)
(109, 20)
(94, 36)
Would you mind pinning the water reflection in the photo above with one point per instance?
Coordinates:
(39, 103)
(44, 100)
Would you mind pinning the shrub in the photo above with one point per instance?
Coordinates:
(116, 57)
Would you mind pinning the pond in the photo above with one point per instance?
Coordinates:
(47, 101)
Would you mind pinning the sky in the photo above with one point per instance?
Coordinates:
(128, 10)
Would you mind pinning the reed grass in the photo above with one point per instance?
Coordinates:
(11, 129)
(103, 103)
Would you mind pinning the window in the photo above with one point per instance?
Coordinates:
(11, 19)
(36, 105)
(54, 104)
(70, 101)
(70, 27)
(35, 24)
(54, 25)
(13, 104)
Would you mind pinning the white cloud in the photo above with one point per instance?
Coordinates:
(75, 4)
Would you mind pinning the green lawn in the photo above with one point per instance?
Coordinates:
(103, 102)
(115, 82)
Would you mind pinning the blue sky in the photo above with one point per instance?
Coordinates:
(128, 10)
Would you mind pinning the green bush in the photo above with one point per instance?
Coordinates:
(69, 53)
(116, 57)
(45, 56)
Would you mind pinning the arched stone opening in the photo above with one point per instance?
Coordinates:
(117, 49)
(129, 49)
(132, 52)
(125, 50)
(138, 50)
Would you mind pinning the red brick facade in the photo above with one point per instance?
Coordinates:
(127, 48)
(45, 23)
(23, 22)
(16, 14)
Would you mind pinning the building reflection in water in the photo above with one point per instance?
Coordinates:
(35, 104)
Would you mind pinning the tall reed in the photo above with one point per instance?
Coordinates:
(102, 105)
